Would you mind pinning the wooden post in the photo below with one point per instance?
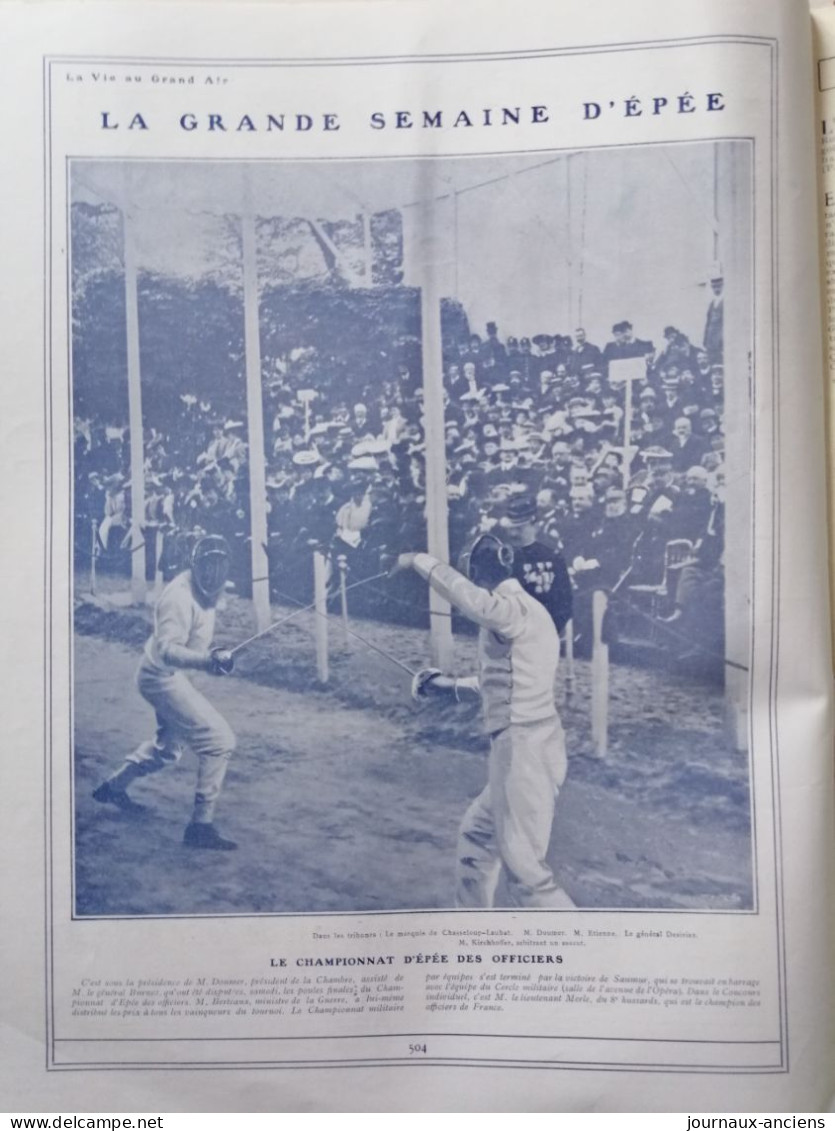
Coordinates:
(569, 658)
(255, 418)
(306, 396)
(320, 597)
(160, 543)
(572, 319)
(342, 565)
(427, 258)
(368, 249)
(137, 451)
(94, 553)
(599, 677)
(626, 463)
(625, 371)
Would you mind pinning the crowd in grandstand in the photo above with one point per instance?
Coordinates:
(543, 417)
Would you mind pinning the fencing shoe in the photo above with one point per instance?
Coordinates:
(109, 793)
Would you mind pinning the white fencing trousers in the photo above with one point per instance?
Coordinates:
(185, 717)
(508, 826)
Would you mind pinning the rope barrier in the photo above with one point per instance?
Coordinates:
(406, 604)
(301, 609)
(693, 646)
(349, 631)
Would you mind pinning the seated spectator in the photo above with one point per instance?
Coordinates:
(686, 449)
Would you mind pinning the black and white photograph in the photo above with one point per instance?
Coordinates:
(411, 531)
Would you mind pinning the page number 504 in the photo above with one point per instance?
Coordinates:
(415, 1050)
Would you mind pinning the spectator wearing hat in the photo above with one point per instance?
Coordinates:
(647, 404)
(671, 402)
(353, 517)
(233, 447)
(624, 345)
(714, 322)
(676, 351)
(407, 384)
(494, 356)
(660, 481)
(614, 538)
(472, 355)
(506, 466)
(540, 569)
(115, 517)
(708, 425)
(652, 502)
(528, 364)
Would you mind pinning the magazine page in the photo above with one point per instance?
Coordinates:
(418, 676)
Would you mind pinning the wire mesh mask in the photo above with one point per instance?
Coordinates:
(210, 565)
(487, 555)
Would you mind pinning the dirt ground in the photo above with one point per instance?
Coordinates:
(348, 797)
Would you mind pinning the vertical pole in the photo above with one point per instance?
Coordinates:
(427, 257)
(716, 145)
(137, 453)
(321, 606)
(627, 432)
(368, 250)
(94, 553)
(160, 542)
(255, 418)
(569, 232)
(624, 372)
(582, 252)
(456, 286)
(343, 593)
(569, 658)
(734, 218)
(599, 677)
(437, 521)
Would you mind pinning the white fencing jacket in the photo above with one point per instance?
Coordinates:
(518, 646)
(183, 628)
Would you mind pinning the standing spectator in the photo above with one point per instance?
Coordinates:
(624, 344)
(714, 322)
(584, 358)
(539, 569)
(494, 356)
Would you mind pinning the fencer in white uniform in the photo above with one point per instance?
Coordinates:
(184, 623)
(508, 826)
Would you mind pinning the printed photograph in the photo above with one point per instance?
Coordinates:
(411, 533)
